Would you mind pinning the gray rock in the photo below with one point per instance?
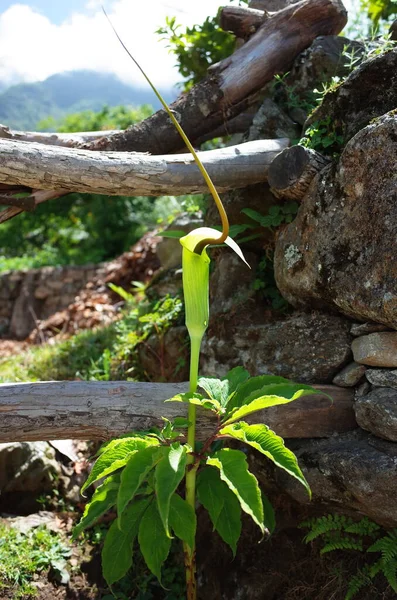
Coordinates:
(349, 111)
(362, 389)
(27, 467)
(365, 328)
(303, 347)
(376, 349)
(382, 377)
(353, 470)
(339, 251)
(272, 122)
(169, 250)
(350, 375)
(377, 412)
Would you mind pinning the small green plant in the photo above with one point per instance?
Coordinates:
(324, 137)
(338, 532)
(142, 472)
(24, 555)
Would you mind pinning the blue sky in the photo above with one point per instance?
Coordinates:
(56, 10)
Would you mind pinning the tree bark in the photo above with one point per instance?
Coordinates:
(134, 174)
(101, 410)
(293, 170)
(70, 140)
(242, 21)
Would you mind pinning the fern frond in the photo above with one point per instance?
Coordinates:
(324, 525)
(364, 527)
(342, 543)
(390, 572)
(357, 582)
(387, 545)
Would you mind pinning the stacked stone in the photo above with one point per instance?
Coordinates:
(374, 372)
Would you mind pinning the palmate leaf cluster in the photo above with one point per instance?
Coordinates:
(141, 473)
(338, 532)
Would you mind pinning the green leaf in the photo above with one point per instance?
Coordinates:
(236, 377)
(210, 492)
(117, 549)
(216, 389)
(172, 233)
(197, 399)
(270, 517)
(268, 398)
(182, 519)
(116, 455)
(103, 499)
(252, 385)
(221, 504)
(233, 468)
(153, 540)
(135, 472)
(268, 443)
(168, 475)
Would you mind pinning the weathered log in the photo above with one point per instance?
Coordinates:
(134, 174)
(292, 171)
(70, 140)
(223, 94)
(242, 21)
(100, 410)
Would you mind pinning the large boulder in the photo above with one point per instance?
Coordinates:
(353, 471)
(303, 347)
(340, 251)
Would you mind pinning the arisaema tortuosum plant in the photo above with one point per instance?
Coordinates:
(142, 474)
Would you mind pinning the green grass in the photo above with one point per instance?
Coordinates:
(24, 555)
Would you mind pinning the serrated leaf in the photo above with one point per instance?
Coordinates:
(168, 475)
(135, 472)
(104, 497)
(233, 468)
(267, 398)
(182, 520)
(221, 504)
(116, 455)
(268, 443)
(117, 548)
(249, 387)
(153, 540)
(197, 399)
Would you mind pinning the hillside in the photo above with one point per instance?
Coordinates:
(22, 106)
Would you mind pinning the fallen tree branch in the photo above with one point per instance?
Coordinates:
(242, 21)
(134, 174)
(293, 170)
(70, 140)
(101, 410)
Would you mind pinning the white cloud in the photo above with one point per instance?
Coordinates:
(32, 48)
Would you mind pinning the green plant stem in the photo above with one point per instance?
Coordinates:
(192, 465)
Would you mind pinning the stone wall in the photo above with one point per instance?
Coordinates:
(30, 295)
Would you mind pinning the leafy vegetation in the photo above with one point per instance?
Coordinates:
(109, 353)
(141, 473)
(338, 532)
(24, 555)
(197, 47)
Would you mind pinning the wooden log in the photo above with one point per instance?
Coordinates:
(70, 140)
(242, 21)
(134, 174)
(292, 171)
(101, 410)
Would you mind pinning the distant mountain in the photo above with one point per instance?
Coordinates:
(22, 106)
